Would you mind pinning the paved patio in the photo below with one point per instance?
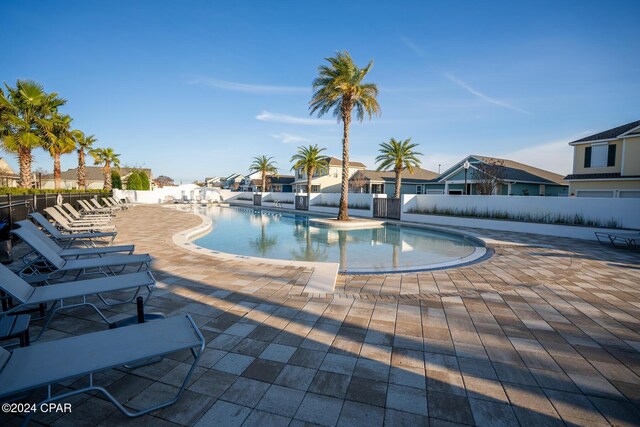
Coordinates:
(545, 332)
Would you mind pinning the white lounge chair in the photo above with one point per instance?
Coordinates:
(26, 296)
(66, 225)
(89, 208)
(75, 214)
(89, 239)
(83, 221)
(49, 363)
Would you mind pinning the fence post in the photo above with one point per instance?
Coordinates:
(10, 217)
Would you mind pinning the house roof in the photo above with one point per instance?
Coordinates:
(337, 162)
(612, 133)
(511, 171)
(94, 173)
(282, 179)
(418, 174)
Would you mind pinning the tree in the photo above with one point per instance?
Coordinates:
(339, 87)
(58, 139)
(116, 180)
(144, 180)
(26, 113)
(105, 157)
(84, 143)
(398, 155)
(134, 182)
(310, 161)
(163, 181)
(358, 182)
(488, 176)
(265, 165)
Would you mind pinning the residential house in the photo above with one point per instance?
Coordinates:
(607, 164)
(327, 181)
(8, 177)
(94, 180)
(281, 183)
(384, 182)
(251, 182)
(505, 177)
(216, 181)
(233, 181)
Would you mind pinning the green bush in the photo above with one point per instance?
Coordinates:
(144, 179)
(134, 182)
(116, 181)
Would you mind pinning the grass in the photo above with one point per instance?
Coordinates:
(272, 199)
(243, 197)
(560, 219)
(364, 206)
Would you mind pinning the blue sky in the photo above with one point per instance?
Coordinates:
(194, 89)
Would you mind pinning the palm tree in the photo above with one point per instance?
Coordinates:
(265, 165)
(339, 87)
(105, 157)
(83, 143)
(309, 160)
(59, 139)
(27, 113)
(398, 155)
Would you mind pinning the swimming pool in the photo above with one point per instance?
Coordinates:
(292, 236)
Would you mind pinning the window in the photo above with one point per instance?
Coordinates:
(377, 188)
(418, 189)
(335, 173)
(315, 188)
(600, 155)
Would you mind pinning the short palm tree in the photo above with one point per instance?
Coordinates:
(105, 157)
(58, 140)
(26, 114)
(339, 87)
(265, 165)
(398, 155)
(310, 161)
(83, 143)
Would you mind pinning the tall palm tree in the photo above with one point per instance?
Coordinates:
(105, 157)
(27, 113)
(83, 143)
(59, 139)
(398, 155)
(265, 165)
(310, 160)
(339, 87)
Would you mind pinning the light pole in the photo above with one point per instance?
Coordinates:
(466, 169)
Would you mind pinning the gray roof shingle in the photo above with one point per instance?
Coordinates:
(612, 133)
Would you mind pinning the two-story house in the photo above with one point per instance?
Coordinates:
(384, 182)
(327, 181)
(233, 181)
(607, 164)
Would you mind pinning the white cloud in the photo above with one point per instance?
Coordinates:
(266, 116)
(554, 156)
(412, 46)
(481, 95)
(288, 138)
(248, 88)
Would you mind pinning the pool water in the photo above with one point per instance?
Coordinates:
(289, 236)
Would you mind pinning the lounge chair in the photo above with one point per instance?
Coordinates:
(66, 225)
(82, 221)
(116, 203)
(97, 205)
(89, 239)
(111, 205)
(77, 215)
(73, 252)
(28, 296)
(90, 209)
(49, 363)
(628, 240)
(55, 265)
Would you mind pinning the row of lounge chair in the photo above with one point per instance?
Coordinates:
(78, 245)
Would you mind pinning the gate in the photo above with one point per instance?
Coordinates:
(257, 199)
(302, 203)
(386, 208)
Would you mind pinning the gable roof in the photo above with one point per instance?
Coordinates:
(512, 171)
(418, 174)
(612, 133)
(94, 173)
(337, 162)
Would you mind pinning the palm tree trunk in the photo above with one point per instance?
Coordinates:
(343, 210)
(82, 171)
(396, 194)
(264, 181)
(24, 159)
(56, 170)
(309, 178)
(107, 176)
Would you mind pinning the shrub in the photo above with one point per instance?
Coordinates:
(15, 191)
(144, 180)
(134, 182)
(116, 181)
